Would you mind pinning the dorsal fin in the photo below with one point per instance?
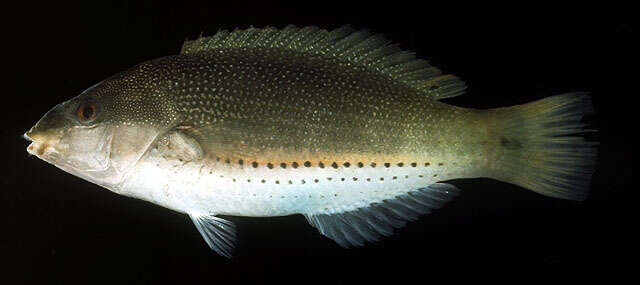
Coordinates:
(358, 47)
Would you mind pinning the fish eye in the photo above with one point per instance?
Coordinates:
(86, 112)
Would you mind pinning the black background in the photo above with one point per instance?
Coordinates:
(56, 228)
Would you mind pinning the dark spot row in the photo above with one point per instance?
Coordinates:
(303, 181)
(334, 164)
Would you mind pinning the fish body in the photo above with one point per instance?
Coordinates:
(337, 126)
(280, 150)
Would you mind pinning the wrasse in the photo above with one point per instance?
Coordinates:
(339, 126)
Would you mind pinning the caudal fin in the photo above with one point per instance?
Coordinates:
(539, 149)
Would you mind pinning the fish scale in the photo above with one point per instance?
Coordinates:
(339, 126)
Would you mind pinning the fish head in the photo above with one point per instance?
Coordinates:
(75, 136)
(101, 133)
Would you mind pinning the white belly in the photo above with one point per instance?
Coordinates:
(247, 191)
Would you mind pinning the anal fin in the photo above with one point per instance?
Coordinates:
(354, 228)
(218, 233)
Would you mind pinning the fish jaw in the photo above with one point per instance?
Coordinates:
(41, 148)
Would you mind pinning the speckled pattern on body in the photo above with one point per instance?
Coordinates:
(337, 125)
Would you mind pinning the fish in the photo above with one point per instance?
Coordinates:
(341, 126)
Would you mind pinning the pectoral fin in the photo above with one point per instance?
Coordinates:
(219, 234)
(224, 140)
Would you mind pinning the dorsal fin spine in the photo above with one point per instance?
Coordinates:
(304, 34)
(416, 72)
(265, 36)
(219, 37)
(347, 43)
(281, 39)
(334, 37)
(379, 54)
(361, 50)
(236, 38)
(397, 59)
(247, 37)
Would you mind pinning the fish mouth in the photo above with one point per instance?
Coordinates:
(44, 149)
(36, 147)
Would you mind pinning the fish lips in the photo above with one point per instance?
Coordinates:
(40, 148)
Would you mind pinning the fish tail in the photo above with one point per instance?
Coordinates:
(538, 148)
